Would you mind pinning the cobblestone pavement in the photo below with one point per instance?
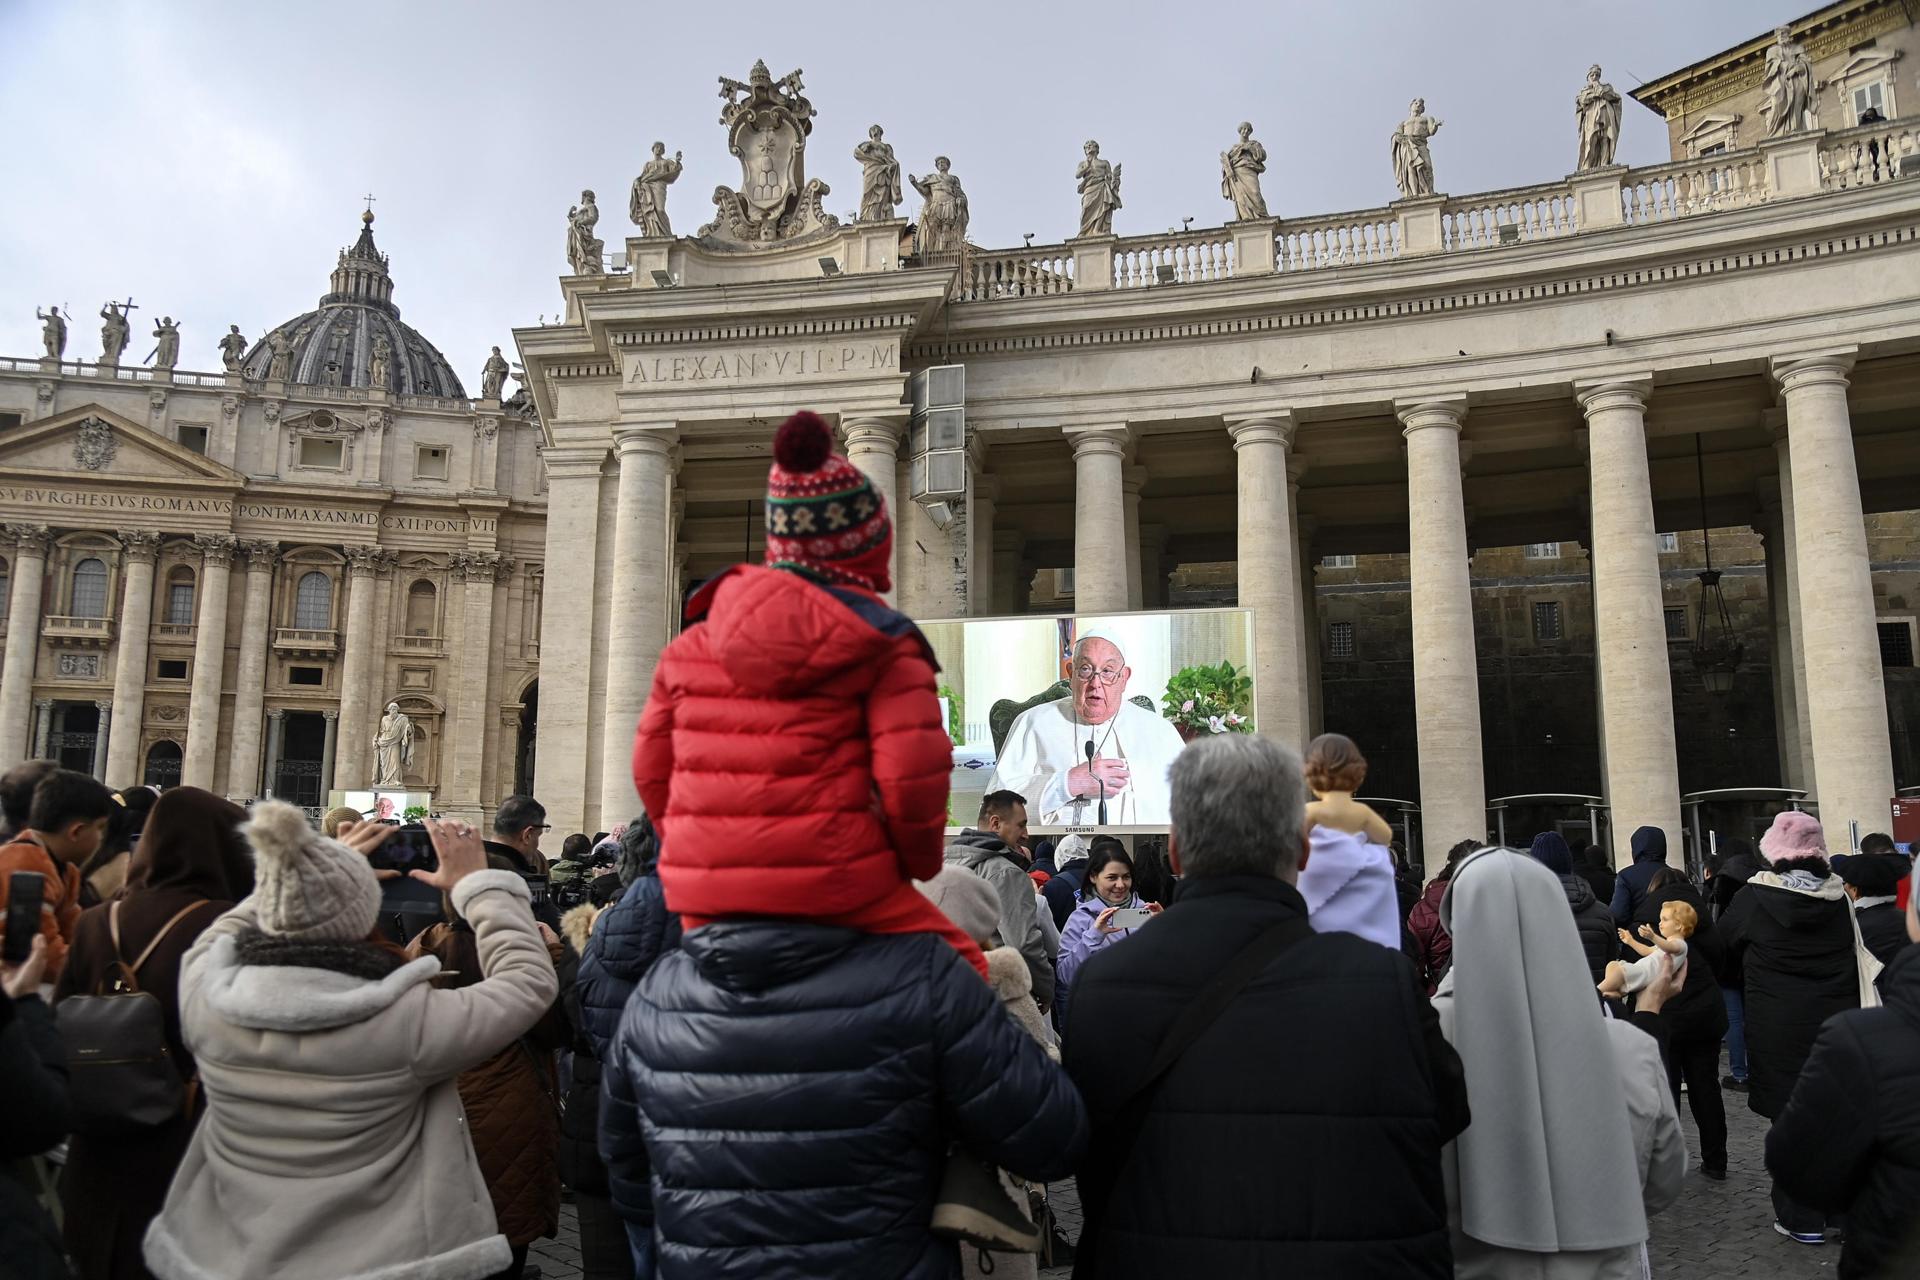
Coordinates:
(1715, 1231)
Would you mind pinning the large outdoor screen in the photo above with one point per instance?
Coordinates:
(1083, 714)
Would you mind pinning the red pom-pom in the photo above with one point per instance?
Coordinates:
(803, 442)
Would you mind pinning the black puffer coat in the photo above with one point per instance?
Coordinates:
(1797, 948)
(1849, 1139)
(1699, 1012)
(1595, 923)
(797, 1085)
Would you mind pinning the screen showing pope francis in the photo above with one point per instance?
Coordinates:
(1083, 715)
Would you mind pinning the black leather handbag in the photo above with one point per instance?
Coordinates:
(121, 1077)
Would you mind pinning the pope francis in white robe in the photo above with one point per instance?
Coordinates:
(1045, 756)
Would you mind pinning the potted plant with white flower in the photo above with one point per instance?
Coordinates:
(1208, 699)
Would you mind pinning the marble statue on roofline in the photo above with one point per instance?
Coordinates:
(583, 247)
(879, 177)
(1597, 108)
(649, 203)
(1412, 163)
(1099, 192)
(1240, 168)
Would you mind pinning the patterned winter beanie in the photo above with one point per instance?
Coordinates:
(307, 887)
(824, 519)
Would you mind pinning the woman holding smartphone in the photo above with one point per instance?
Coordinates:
(1108, 911)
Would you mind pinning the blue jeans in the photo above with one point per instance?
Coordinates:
(1736, 1001)
(640, 1240)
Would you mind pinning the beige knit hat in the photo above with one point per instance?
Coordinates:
(967, 900)
(307, 887)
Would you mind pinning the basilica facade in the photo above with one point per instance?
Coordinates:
(1403, 412)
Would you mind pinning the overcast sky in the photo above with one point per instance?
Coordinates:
(209, 159)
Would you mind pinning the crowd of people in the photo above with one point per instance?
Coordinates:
(787, 1025)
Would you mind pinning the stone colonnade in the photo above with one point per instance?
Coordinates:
(257, 736)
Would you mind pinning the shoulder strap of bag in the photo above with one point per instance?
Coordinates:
(113, 929)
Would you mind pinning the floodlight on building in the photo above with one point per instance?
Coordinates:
(941, 513)
(1509, 233)
(664, 280)
(829, 267)
(1028, 237)
(1165, 274)
(1186, 223)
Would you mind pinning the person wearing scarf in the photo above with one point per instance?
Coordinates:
(1574, 1140)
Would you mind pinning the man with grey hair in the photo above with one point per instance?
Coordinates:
(1266, 1100)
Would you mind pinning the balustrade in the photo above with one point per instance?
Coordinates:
(1193, 256)
(1868, 155)
(1708, 184)
(1506, 217)
(1019, 273)
(1343, 240)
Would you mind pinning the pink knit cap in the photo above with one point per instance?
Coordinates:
(1793, 835)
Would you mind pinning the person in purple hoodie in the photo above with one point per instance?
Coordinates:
(1347, 877)
(1107, 913)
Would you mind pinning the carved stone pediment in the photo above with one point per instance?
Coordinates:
(90, 439)
(323, 422)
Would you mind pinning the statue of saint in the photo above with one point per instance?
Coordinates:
(233, 348)
(493, 375)
(649, 204)
(943, 218)
(166, 351)
(1597, 107)
(1240, 168)
(380, 365)
(583, 250)
(1412, 165)
(113, 333)
(879, 178)
(1789, 85)
(53, 330)
(280, 365)
(1099, 192)
(393, 748)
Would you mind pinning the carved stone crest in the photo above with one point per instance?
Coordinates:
(94, 445)
(767, 124)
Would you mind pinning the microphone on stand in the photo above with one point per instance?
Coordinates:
(1102, 781)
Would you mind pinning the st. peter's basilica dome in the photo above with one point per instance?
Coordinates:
(334, 345)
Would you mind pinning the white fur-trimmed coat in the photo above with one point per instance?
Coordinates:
(333, 1145)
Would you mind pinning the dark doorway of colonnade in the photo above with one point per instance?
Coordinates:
(528, 734)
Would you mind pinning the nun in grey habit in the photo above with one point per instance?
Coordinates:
(1574, 1140)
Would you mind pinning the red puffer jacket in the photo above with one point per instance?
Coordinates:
(793, 758)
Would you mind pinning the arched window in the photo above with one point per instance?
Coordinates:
(313, 602)
(180, 596)
(89, 596)
(421, 599)
(163, 765)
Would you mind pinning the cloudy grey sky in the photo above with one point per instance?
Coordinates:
(209, 159)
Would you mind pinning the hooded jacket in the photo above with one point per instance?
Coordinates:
(796, 1086)
(1630, 885)
(334, 1146)
(1849, 1138)
(1432, 944)
(988, 857)
(773, 723)
(1597, 937)
(1796, 946)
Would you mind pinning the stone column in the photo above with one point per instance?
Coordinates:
(1153, 566)
(566, 635)
(250, 677)
(1642, 769)
(1132, 480)
(1446, 673)
(873, 445)
(1099, 519)
(980, 547)
(329, 748)
(1846, 693)
(1776, 421)
(209, 657)
(30, 543)
(1268, 583)
(1308, 610)
(130, 656)
(100, 739)
(481, 572)
(637, 606)
(357, 675)
(1009, 551)
(42, 726)
(276, 737)
(1788, 683)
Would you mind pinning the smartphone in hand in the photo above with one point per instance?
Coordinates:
(26, 891)
(1129, 918)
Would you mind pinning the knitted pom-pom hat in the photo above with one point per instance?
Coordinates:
(824, 518)
(1793, 835)
(307, 887)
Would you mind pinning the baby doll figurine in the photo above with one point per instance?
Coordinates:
(1677, 923)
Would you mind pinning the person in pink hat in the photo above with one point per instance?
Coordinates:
(1793, 927)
